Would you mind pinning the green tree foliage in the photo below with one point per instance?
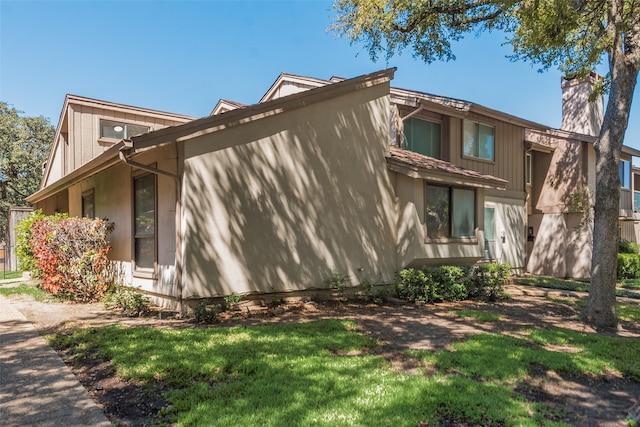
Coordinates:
(24, 147)
(573, 35)
(26, 260)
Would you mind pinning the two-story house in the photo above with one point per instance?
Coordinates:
(321, 176)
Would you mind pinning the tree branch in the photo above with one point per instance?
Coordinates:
(453, 10)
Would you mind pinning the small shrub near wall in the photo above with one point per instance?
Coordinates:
(412, 285)
(131, 302)
(486, 281)
(627, 247)
(452, 283)
(628, 266)
(71, 255)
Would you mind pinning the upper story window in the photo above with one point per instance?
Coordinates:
(477, 140)
(527, 169)
(625, 174)
(450, 212)
(423, 137)
(120, 130)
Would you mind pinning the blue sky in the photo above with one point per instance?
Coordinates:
(183, 56)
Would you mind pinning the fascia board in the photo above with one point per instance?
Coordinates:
(444, 177)
(252, 113)
(97, 165)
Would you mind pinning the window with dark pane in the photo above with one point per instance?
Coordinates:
(144, 221)
(88, 204)
(450, 212)
(120, 130)
(438, 212)
(423, 137)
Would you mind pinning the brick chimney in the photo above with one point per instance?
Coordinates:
(578, 114)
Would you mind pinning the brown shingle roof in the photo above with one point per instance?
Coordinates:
(428, 165)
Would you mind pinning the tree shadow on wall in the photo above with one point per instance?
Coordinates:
(298, 196)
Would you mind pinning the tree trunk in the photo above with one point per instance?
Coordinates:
(601, 304)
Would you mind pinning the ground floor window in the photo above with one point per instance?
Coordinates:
(450, 211)
(88, 204)
(144, 195)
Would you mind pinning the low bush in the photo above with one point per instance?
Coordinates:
(411, 285)
(131, 302)
(486, 281)
(338, 281)
(452, 283)
(71, 256)
(628, 266)
(447, 283)
(627, 247)
(207, 313)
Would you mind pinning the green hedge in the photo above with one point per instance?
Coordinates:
(452, 283)
(628, 266)
(627, 247)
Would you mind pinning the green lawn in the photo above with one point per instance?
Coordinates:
(626, 288)
(322, 374)
(38, 294)
(479, 315)
(326, 373)
(10, 275)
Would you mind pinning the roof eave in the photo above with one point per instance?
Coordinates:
(96, 165)
(207, 125)
(441, 177)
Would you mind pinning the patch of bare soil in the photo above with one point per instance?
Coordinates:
(579, 401)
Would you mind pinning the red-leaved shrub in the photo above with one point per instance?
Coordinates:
(72, 253)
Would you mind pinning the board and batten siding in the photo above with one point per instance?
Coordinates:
(84, 124)
(508, 160)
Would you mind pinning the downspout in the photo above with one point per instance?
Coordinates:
(414, 112)
(408, 116)
(178, 218)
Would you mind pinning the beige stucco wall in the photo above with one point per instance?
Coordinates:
(562, 245)
(414, 249)
(59, 202)
(562, 177)
(113, 200)
(279, 203)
